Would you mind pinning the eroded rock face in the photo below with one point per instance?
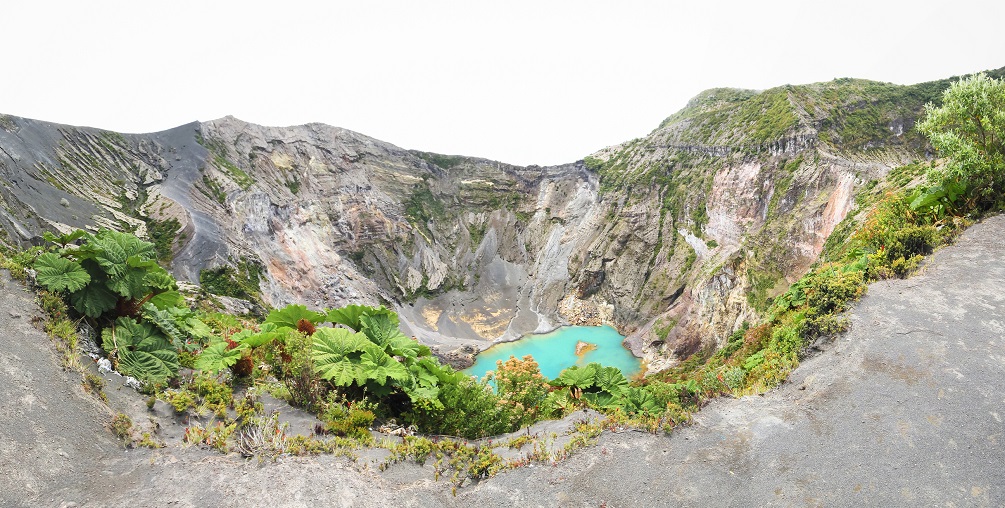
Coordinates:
(672, 241)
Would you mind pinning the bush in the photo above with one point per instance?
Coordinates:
(902, 267)
(345, 419)
(829, 290)
(733, 377)
(216, 395)
(122, 427)
(470, 409)
(521, 386)
(912, 241)
(969, 129)
(110, 271)
(296, 369)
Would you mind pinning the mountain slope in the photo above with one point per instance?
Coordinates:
(733, 198)
(675, 238)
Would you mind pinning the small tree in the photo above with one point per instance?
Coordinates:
(969, 130)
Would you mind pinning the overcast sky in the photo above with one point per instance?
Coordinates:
(526, 82)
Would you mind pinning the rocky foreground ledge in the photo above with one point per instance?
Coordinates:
(905, 409)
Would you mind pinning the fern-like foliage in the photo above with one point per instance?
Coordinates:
(379, 357)
(337, 355)
(606, 388)
(167, 299)
(267, 333)
(601, 399)
(116, 252)
(352, 315)
(94, 300)
(380, 367)
(291, 315)
(611, 380)
(577, 377)
(427, 374)
(163, 320)
(179, 324)
(108, 269)
(639, 400)
(60, 274)
(140, 350)
(66, 239)
(219, 356)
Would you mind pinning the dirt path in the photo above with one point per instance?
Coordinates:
(906, 409)
(50, 432)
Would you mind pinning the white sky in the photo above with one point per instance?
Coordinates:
(525, 82)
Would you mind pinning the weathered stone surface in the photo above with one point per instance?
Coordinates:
(469, 251)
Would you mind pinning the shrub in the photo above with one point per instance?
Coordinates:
(163, 234)
(217, 436)
(521, 386)
(902, 267)
(733, 377)
(912, 241)
(215, 394)
(122, 427)
(297, 371)
(345, 419)
(830, 289)
(470, 409)
(969, 129)
(181, 400)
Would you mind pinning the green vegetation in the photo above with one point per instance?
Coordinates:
(243, 180)
(353, 374)
(140, 350)
(443, 161)
(728, 117)
(163, 234)
(57, 321)
(477, 234)
(900, 228)
(122, 427)
(770, 114)
(213, 190)
(112, 278)
(421, 207)
(662, 329)
(110, 271)
(240, 281)
(969, 129)
(355, 369)
(890, 243)
(859, 114)
(218, 149)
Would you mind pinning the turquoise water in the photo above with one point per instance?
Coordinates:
(556, 351)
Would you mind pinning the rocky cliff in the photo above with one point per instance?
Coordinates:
(675, 238)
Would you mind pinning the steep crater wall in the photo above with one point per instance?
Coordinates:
(675, 238)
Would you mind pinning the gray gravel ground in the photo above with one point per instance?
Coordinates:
(904, 410)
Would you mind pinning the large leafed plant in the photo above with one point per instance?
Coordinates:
(140, 350)
(375, 355)
(114, 278)
(110, 271)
